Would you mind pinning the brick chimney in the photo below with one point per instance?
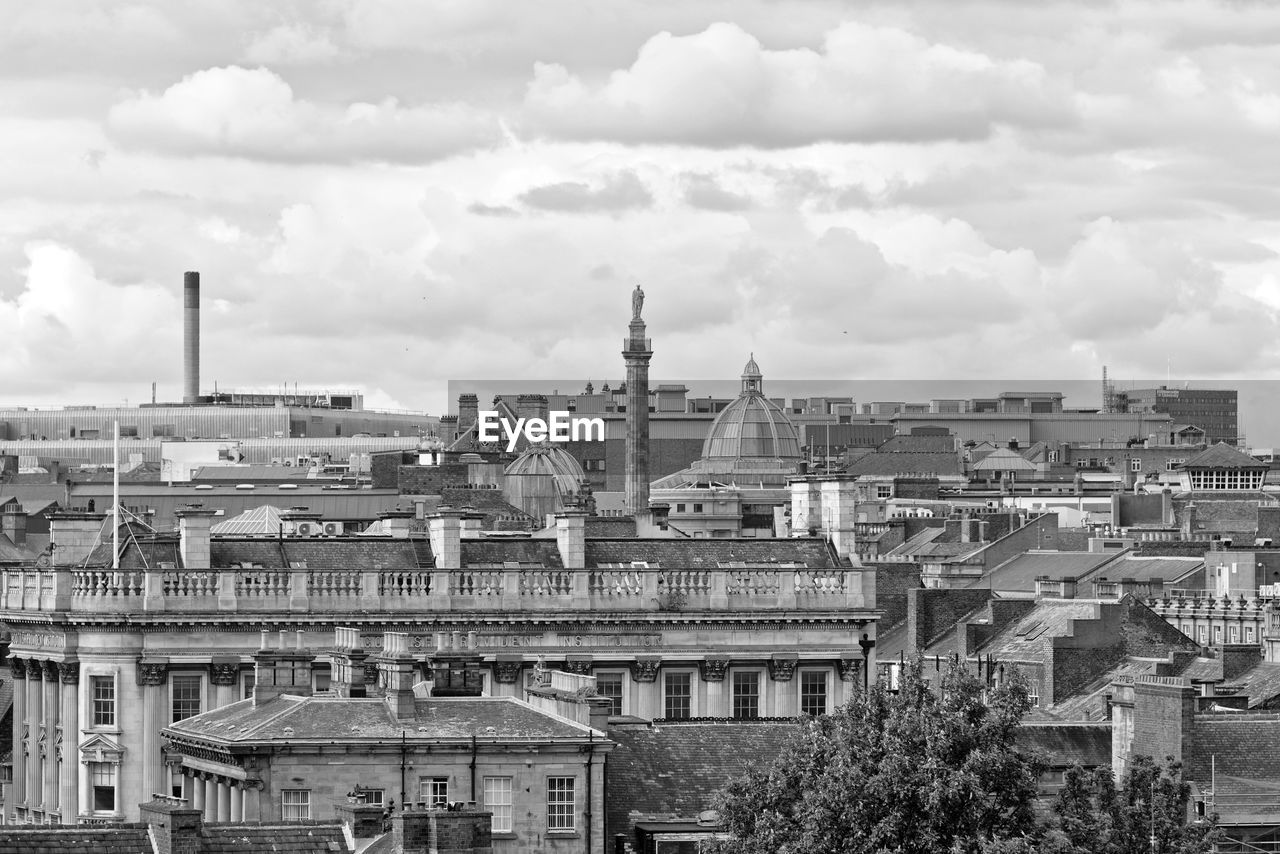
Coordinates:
(468, 411)
(13, 524)
(363, 821)
(445, 531)
(455, 666)
(193, 536)
(348, 657)
(73, 533)
(279, 670)
(464, 831)
(396, 523)
(397, 667)
(571, 534)
(174, 826)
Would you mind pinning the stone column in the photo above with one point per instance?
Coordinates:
(210, 798)
(237, 802)
(68, 798)
(644, 672)
(197, 791)
(35, 728)
(713, 670)
(224, 800)
(252, 800)
(18, 672)
(152, 676)
(52, 715)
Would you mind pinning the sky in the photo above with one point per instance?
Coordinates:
(390, 195)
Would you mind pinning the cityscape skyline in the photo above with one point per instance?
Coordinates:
(388, 197)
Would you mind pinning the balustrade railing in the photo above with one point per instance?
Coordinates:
(166, 589)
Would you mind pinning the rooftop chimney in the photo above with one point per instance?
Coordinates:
(280, 671)
(397, 667)
(456, 666)
(175, 826)
(190, 337)
(348, 657)
(194, 538)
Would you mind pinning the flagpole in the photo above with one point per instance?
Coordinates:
(115, 499)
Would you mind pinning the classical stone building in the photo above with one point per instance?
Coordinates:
(103, 658)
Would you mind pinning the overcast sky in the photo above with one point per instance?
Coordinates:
(388, 195)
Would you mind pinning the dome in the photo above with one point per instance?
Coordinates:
(752, 427)
(549, 460)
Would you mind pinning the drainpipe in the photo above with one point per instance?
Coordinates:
(591, 752)
(473, 768)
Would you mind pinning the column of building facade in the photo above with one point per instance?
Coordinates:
(35, 729)
(224, 679)
(237, 801)
(18, 671)
(69, 686)
(712, 672)
(152, 677)
(210, 797)
(195, 785)
(644, 672)
(52, 703)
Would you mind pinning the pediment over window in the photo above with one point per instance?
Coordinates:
(100, 748)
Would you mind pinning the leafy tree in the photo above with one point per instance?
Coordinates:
(913, 771)
(1097, 817)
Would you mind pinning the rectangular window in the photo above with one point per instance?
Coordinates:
(102, 777)
(1250, 635)
(375, 797)
(433, 791)
(1202, 634)
(246, 685)
(295, 804)
(746, 695)
(813, 692)
(1135, 465)
(1186, 629)
(1235, 634)
(497, 800)
(1217, 634)
(677, 695)
(697, 508)
(186, 697)
(883, 491)
(560, 803)
(104, 700)
(610, 685)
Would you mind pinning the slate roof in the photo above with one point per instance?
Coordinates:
(1026, 639)
(1004, 459)
(1019, 574)
(1245, 745)
(541, 552)
(1261, 683)
(1167, 569)
(289, 719)
(710, 553)
(10, 552)
(671, 770)
(34, 839)
(611, 527)
(1061, 745)
(350, 552)
(881, 464)
(277, 838)
(1222, 456)
(918, 445)
(255, 473)
(147, 472)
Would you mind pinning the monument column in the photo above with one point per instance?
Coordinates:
(637, 351)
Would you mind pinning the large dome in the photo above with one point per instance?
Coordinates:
(752, 427)
(550, 460)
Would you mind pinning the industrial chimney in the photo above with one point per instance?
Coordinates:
(190, 338)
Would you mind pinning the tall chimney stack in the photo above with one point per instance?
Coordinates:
(190, 337)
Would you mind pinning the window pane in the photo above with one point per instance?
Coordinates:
(104, 700)
(813, 692)
(497, 799)
(677, 692)
(746, 695)
(610, 685)
(102, 776)
(295, 804)
(560, 803)
(186, 697)
(433, 791)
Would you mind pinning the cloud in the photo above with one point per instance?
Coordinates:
(253, 113)
(292, 44)
(481, 209)
(704, 191)
(618, 192)
(722, 88)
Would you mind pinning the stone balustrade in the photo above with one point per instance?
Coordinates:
(275, 590)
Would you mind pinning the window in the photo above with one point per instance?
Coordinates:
(610, 685)
(1186, 629)
(679, 508)
(884, 491)
(676, 695)
(186, 697)
(1217, 634)
(813, 692)
(295, 804)
(1172, 465)
(104, 700)
(375, 797)
(697, 508)
(1202, 634)
(1250, 635)
(433, 791)
(246, 685)
(746, 695)
(560, 803)
(322, 680)
(1033, 693)
(1235, 634)
(497, 800)
(1135, 465)
(102, 777)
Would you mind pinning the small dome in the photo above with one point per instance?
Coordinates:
(549, 460)
(752, 427)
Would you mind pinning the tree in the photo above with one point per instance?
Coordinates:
(1097, 817)
(913, 771)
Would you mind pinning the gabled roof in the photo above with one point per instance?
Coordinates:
(1004, 459)
(10, 552)
(329, 718)
(115, 839)
(1061, 745)
(1020, 573)
(671, 770)
(1222, 456)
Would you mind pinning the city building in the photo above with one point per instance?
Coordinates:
(1214, 411)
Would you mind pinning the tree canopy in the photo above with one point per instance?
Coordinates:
(919, 770)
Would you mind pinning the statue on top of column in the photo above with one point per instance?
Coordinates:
(637, 302)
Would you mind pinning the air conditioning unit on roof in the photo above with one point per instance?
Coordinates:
(332, 528)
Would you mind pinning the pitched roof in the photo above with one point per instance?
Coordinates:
(670, 770)
(115, 839)
(1222, 456)
(355, 720)
(282, 838)
(1064, 744)
(350, 552)
(1243, 745)
(1261, 683)
(10, 552)
(1028, 638)
(917, 444)
(1020, 573)
(1004, 459)
(709, 553)
(1138, 568)
(260, 520)
(907, 462)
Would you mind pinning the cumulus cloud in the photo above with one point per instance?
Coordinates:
(723, 88)
(253, 113)
(617, 192)
(704, 191)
